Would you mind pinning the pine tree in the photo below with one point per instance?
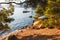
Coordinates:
(4, 13)
(51, 11)
(48, 8)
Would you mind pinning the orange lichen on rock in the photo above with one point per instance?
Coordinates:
(37, 23)
(34, 34)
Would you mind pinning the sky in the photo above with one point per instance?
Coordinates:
(4, 0)
(1, 0)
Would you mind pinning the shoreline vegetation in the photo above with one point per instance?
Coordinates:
(28, 33)
(4, 16)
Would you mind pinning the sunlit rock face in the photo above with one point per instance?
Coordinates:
(37, 23)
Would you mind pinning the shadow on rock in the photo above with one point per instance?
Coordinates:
(41, 37)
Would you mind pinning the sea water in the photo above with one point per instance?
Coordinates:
(21, 19)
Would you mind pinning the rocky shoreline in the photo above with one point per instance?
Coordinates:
(34, 34)
(13, 33)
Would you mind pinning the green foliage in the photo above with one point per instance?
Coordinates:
(4, 13)
(39, 12)
(45, 23)
(8, 19)
(34, 3)
(11, 8)
(51, 11)
(6, 26)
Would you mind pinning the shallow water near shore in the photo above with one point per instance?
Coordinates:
(21, 19)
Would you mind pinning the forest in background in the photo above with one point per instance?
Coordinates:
(49, 9)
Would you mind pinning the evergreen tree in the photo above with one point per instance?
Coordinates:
(48, 8)
(4, 13)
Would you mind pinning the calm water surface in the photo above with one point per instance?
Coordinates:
(21, 19)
